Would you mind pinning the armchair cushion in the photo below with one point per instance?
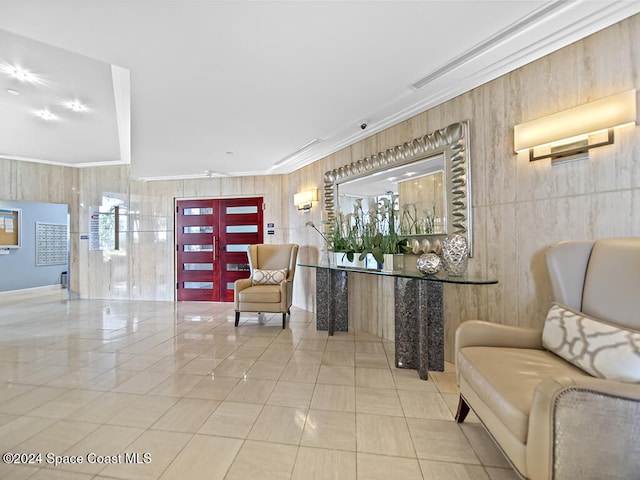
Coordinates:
(261, 294)
(597, 347)
(268, 277)
(505, 379)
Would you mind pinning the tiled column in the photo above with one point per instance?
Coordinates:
(419, 323)
(331, 299)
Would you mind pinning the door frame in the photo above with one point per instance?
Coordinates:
(207, 197)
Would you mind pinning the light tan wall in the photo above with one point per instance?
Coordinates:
(519, 208)
(144, 267)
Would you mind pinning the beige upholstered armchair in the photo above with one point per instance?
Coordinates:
(270, 287)
(563, 402)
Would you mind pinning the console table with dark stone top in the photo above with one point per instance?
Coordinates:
(419, 311)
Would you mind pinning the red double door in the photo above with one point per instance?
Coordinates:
(211, 245)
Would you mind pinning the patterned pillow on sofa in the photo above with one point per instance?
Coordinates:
(268, 277)
(599, 348)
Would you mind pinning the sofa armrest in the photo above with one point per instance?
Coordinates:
(477, 333)
(584, 423)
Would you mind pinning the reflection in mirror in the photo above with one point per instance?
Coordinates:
(426, 179)
(416, 190)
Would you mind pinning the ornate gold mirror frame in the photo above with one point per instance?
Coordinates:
(452, 142)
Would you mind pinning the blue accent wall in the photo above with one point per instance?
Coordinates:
(18, 268)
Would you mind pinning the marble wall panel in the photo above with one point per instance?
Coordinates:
(521, 207)
(152, 266)
(372, 313)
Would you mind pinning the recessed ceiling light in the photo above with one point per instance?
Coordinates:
(19, 73)
(47, 115)
(23, 75)
(11, 91)
(76, 106)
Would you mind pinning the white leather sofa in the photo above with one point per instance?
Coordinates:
(564, 402)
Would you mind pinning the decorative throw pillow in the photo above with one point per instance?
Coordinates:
(599, 348)
(268, 277)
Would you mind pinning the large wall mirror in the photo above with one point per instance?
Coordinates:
(426, 181)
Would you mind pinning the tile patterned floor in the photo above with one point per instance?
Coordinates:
(156, 390)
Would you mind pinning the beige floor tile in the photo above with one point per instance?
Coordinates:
(344, 359)
(266, 371)
(334, 375)
(307, 356)
(384, 435)
(31, 399)
(327, 429)
(418, 404)
(311, 344)
(333, 346)
(258, 342)
(11, 390)
(176, 385)
(231, 420)
(361, 336)
(110, 379)
(143, 411)
(291, 394)
(63, 434)
(20, 472)
(251, 391)
(380, 467)
(452, 471)
(204, 457)
(279, 424)
(369, 347)
(50, 474)
(371, 360)
(452, 445)
(22, 428)
(44, 375)
(249, 351)
(502, 473)
(277, 353)
(408, 379)
(213, 387)
(77, 377)
(304, 404)
(445, 381)
(103, 408)
(378, 401)
(233, 367)
(143, 382)
(155, 451)
(374, 378)
(323, 464)
(187, 415)
(300, 372)
(200, 366)
(263, 461)
(140, 362)
(334, 397)
(66, 404)
(484, 446)
(104, 440)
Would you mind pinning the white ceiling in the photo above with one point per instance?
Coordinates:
(237, 87)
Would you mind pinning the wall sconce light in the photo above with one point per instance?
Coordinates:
(577, 130)
(304, 200)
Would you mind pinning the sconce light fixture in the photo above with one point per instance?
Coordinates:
(577, 130)
(304, 200)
